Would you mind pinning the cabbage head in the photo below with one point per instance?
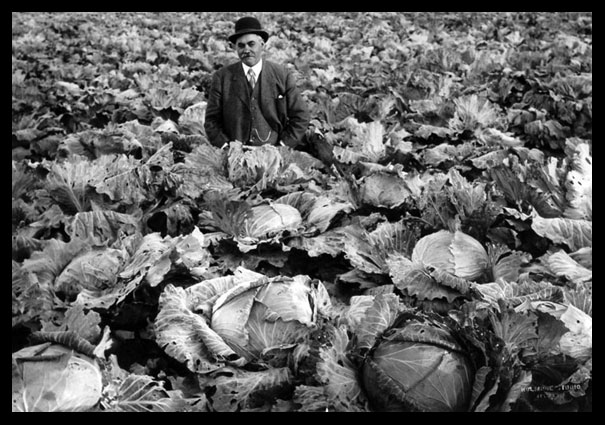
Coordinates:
(238, 319)
(454, 252)
(54, 378)
(418, 366)
(258, 319)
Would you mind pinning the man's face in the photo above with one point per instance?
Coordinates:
(249, 48)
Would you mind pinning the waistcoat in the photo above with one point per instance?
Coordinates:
(260, 131)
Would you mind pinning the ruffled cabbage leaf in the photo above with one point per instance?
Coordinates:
(580, 297)
(82, 322)
(424, 283)
(96, 143)
(502, 292)
(267, 166)
(31, 298)
(338, 374)
(191, 121)
(384, 190)
(368, 316)
(129, 392)
(573, 233)
(494, 158)
(153, 258)
(568, 332)
(102, 228)
(49, 263)
(257, 166)
(368, 251)
(518, 330)
(119, 178)
(68, 184)
(578, 184)
(576, 343)
(562, 264)
(236, 388)
(366, 143)
(251, 225)
(203, 170)
(331, 242)
(317, 212)
(182, 325)
(268, 223)
(298, 168)
(310, 399)
(506, 264)
(96, 269)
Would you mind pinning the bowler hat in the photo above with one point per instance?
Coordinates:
(248, 25)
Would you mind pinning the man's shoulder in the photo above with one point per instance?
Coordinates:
(278, 70)
(274, 66)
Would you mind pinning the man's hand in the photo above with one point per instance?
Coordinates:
(321, 147)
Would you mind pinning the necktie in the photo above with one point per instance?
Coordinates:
(251, 77)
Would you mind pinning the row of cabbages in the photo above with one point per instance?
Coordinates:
(380, 354)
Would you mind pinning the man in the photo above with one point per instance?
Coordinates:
(256, 101)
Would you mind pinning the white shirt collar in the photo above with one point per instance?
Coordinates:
(256, 68)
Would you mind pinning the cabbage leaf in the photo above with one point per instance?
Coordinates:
(67, 183)
(317, 212)
(578, 184)
(384, 190)
(368, 320)
(573, 233)
(236, 388)
(339, 375)
(96, 269)
(268, 223)
(257, 166)
(152, 260)
(118, 178)
(129, 392)
(561, 264)
(186, 335)
(101, 228)
(366, 143)
(203, 170)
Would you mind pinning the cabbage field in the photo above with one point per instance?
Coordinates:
(442, 263)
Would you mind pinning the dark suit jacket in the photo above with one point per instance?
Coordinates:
(228, 110)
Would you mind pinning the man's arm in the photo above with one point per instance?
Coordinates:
(298, 114)
(213, 123)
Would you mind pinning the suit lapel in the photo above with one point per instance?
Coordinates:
(240, 84)
(265, 81)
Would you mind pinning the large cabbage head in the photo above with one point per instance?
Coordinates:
(454, 252)
(418, 366)
(255, 319)
(238, 319)
(54, 378)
